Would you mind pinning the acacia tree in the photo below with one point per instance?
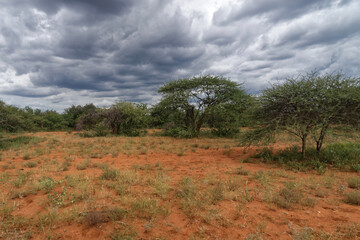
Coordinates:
(195, 98)
(309, 105)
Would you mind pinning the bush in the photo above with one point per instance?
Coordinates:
(178, 132)
(340, 155)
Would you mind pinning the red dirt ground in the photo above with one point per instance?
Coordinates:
(329, 217)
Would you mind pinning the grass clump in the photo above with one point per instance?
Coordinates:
(30, 164)
(65, 166)
(241, 171)
(21, 179)
(147, 208)
(217, 193)
(109, 174)
(84, 165)
(95, 218)
(288, 196)
(46, 184)
(116, 214)
(354, 182)
(19, 142)
(26, 156)
(187, 189)
(353, 198)
(124, 233)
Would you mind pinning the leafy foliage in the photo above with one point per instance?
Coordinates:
(121, 118)
(190, 102)
(308, 106)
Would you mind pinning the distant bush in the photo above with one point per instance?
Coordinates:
(340, 155)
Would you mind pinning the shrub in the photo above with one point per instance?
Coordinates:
(340, 155)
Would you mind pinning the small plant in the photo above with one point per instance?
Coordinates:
(247, 194)
(57, 199)
(187, 188)
(117, 214)
(109, 174)
(299, 233)
(84, 165)
(124, 233)
(46, 184)
(20, 180)
(288, 196)
(161, 187)
(30, 164)
(94, 218)
(26, 156)
(146, 208)
(21, 193)
(354, 182)
(65, 166)
(353, 198)
(205, 147)
(217, 193)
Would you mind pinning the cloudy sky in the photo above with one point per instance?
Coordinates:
(61, 52)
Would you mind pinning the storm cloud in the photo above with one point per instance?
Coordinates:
(57, 53)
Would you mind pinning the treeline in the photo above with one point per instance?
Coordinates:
(306, 106)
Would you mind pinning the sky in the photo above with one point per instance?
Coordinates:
(58, 53)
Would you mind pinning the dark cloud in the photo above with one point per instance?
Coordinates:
(85, 6)
(65, 52)
(25, 92)
(274, 10)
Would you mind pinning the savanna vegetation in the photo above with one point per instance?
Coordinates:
(219, 164)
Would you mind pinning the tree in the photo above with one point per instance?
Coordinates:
(194, 99)
(73, 113)
(227, 118)
(121, 118)
(125, 118)
(309, 105)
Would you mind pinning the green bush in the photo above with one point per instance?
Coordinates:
(340, 155)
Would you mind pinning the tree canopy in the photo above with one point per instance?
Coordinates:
(309, 105)
(195, 99)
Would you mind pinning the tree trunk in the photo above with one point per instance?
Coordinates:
(320, 141)
(303, 146)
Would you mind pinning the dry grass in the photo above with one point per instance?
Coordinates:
(156, 188)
